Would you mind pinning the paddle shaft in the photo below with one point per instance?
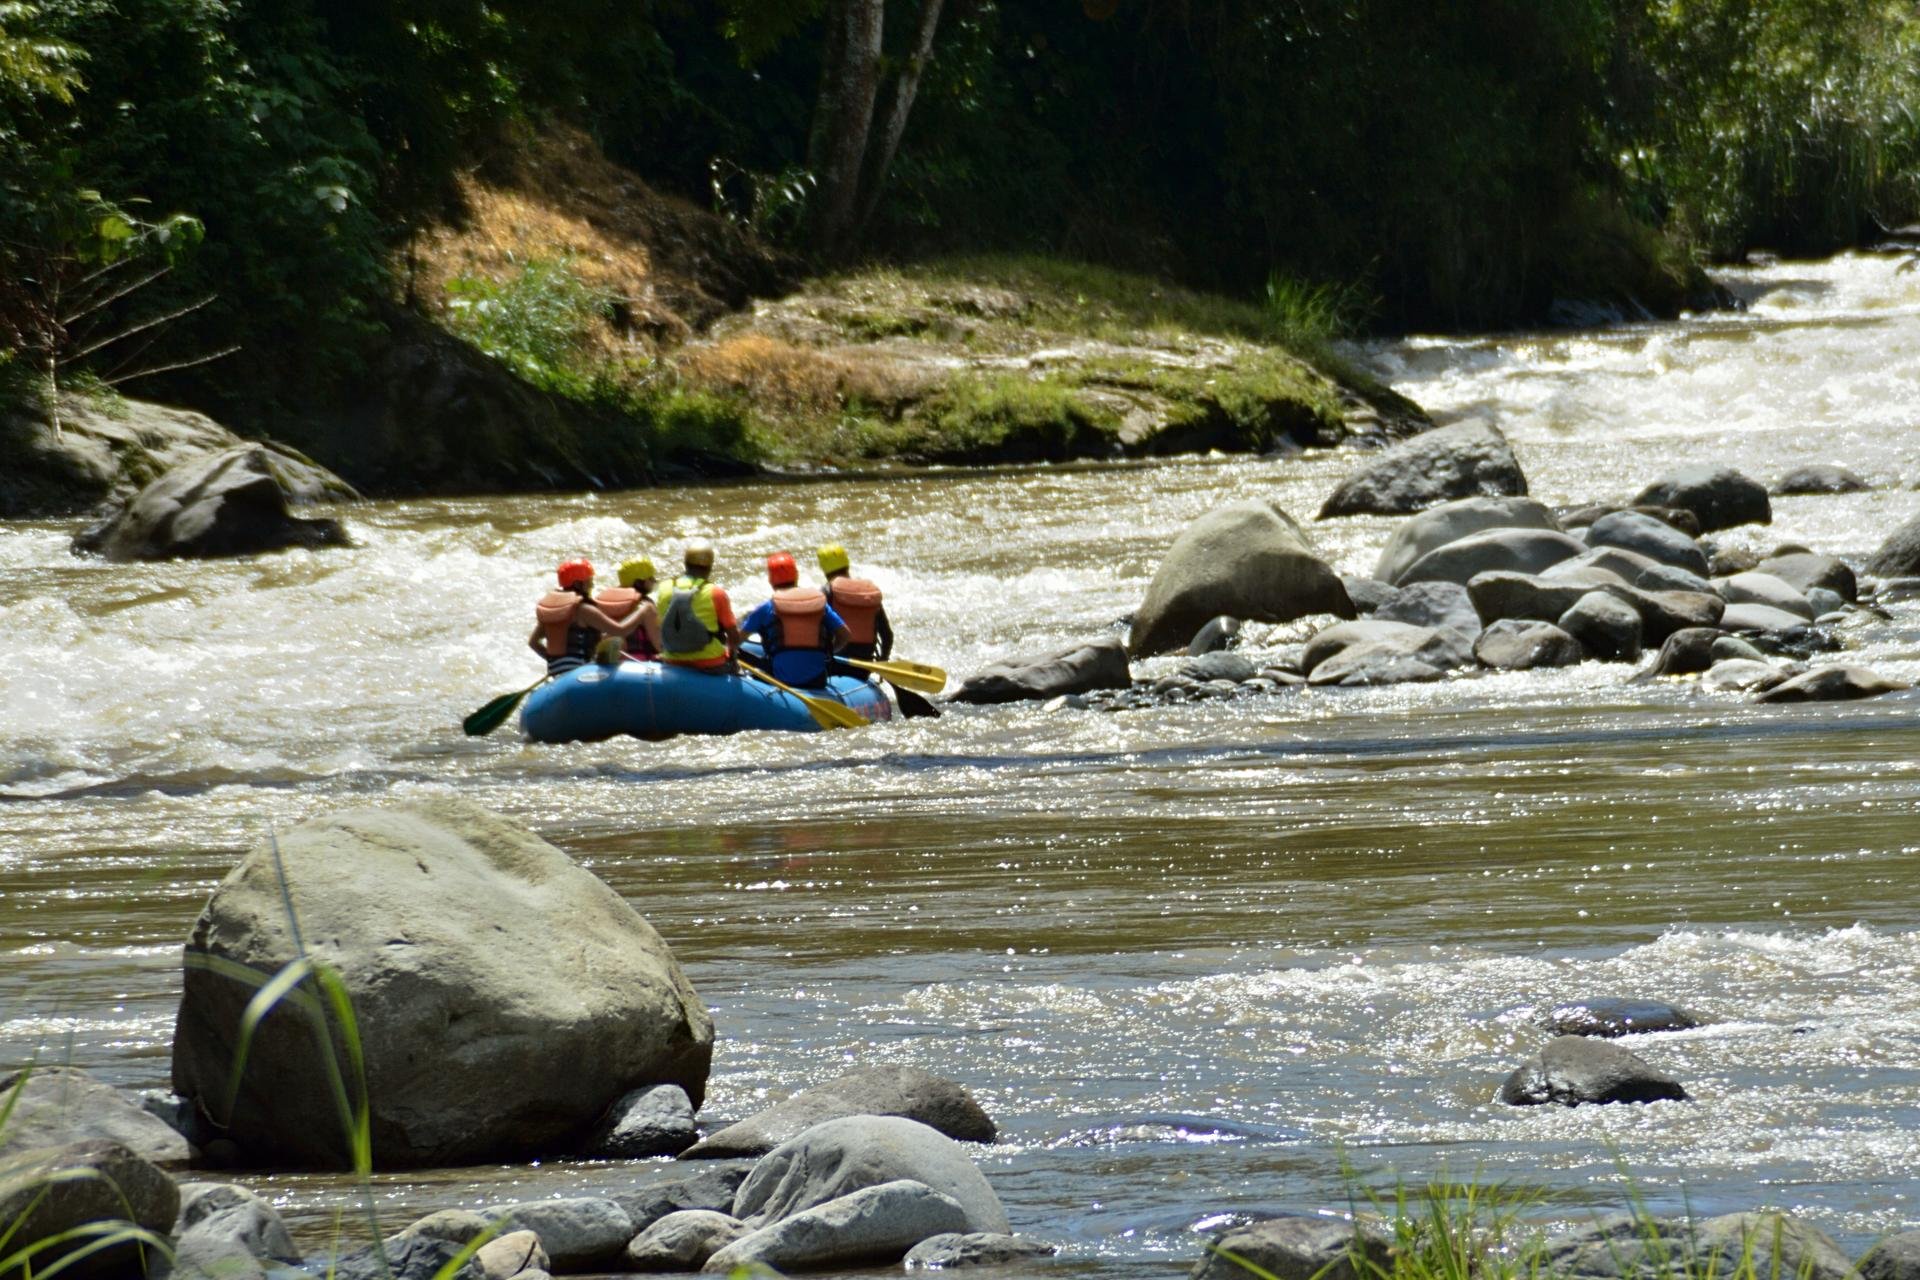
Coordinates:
(828, 715)
(918, 676)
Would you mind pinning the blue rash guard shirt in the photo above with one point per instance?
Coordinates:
(794, 666)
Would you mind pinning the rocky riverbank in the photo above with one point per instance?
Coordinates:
(1480, 579)
(414, 915)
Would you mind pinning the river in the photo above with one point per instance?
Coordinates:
(1197, 960)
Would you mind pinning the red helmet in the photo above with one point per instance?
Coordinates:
(574, 572)
(781, 570)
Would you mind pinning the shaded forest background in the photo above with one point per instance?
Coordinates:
(260, 169)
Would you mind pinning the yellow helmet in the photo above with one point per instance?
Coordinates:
(833, 558)
(640, 570)
(699, 554)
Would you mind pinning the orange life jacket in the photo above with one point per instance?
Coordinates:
(802, 614)
(619, 603)
(857, 601)
(556, 612)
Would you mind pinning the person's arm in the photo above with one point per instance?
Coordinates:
(649, 615)
(838, 635)
(883, 632)
(590, 615)
(729, 627)
(538, 641)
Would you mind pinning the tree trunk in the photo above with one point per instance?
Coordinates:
(847, 92)
(904, 88)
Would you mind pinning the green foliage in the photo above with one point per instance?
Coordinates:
(33, 64)
(1794, 125)
(538, 323)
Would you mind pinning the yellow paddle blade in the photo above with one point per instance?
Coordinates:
(826, 713)
(917, 676)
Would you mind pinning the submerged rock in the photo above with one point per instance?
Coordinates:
(1718, 496)
(1573, 1069)
(222, 504)
(1248, 559)
(1610, 1016)
(909, 1092)
(1298, 1248)
(1076, 668)
(1740, 674)
(1515, 644)
(441, 919)
(1819, 477)
(1833, 684)
(1218, 666)
(1451, 521)
(1467, 459)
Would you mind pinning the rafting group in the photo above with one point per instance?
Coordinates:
(620, 661)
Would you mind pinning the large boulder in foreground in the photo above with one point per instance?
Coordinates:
(221, 504)
(1450, 521)
(843, 1156)
(1899, 555)
(59, 1105)
(1719, 497)
(1081, 667)
(504, 996)
(1573, 1070)
(1247, 559)
(911, 1092)
(47, 1192)
(1465, 460)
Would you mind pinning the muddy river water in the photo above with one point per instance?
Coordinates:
(1197, 960)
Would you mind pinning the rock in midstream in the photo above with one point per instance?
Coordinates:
(1467, 459)
(1515, 644)
(910, 1092)
(1606, 628)
(842, 1156)
(1819, 477)
(1718, 496)
(1610, 1016)
(1832, 684)
(1415, 536)
(1572, 1070)
(1655, 539)
(1081, 667)
(1248, 559)
(1512, 550)
(1298, 1248)
(58, 1105)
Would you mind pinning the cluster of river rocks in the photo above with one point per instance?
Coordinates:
(480, 1040)
(1481, 578)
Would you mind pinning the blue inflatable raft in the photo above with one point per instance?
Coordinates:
(653, 700)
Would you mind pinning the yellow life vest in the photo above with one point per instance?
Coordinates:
(689, 623)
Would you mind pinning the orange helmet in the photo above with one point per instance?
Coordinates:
(781, 570)
(575, 571)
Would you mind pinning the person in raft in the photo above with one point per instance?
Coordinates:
(859, 605)
(697, 627)
(567, 625)
(635, 595)
(798, 628)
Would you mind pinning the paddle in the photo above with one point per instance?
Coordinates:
(913, 706)
(495, 713)
(828, 715)
(917, 676)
